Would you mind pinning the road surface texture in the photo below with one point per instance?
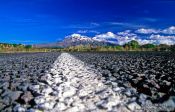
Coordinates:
(87, 82)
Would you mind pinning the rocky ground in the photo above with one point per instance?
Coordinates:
(19, 73)
(152, 74)
(80, 82)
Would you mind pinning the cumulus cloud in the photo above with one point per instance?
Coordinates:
(161, 39)
(106, 37)
(170, 30)
(127, 36)
(145, 41)
(119, 38)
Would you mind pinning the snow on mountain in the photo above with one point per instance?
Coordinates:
(78, 37)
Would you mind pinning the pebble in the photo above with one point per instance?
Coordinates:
(47, 90)
(18, 108)
(134, 106)
(46, 106)
(35, 87)
(39, 100)
(27, 96)
(69, 93)
(170, 103)
(61, 106)
(57, 80)
(11, 96)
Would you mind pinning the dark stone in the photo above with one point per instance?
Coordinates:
(26, 97)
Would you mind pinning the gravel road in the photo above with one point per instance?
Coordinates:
(87, 82)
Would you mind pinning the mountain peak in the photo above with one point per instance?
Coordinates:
(75, 35)
(78, 37)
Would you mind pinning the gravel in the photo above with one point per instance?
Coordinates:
(80, 82)
(19, 77)
(151, 74)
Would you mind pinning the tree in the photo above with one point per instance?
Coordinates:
(15, 45)
(149, 46)
(28, 46)
(172, 48)
(131, 45)
(134, 44)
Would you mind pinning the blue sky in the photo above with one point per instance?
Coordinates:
(43, 21)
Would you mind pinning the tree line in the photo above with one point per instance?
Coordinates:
(130, 46)
(5, 47)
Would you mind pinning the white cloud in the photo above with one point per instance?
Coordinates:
(161, 39)
(170, 30)
(150, 19)
(82, 31)
(119, 38)
(81, 26)
(126, 36)
(157, 39)
(126, 33)
(145, 41)
(147, 31)
(105, 36)
(125, 24)
(87, 31)
(95, 24)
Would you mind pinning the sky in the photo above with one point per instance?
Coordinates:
(45, 21)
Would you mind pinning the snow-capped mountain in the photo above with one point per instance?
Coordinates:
(77, 39)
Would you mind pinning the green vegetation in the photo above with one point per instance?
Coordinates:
(130, 46)
(8, 48)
